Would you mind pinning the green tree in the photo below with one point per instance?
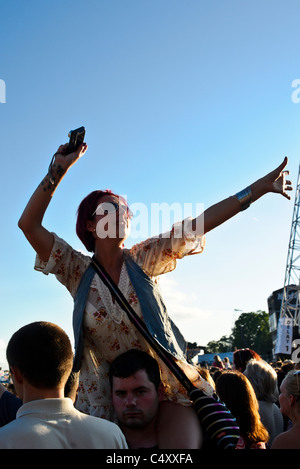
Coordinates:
(222, 345)
(252, 330)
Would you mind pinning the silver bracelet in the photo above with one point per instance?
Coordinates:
(244, 197)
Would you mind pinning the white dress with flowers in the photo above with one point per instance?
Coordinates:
(107, 330)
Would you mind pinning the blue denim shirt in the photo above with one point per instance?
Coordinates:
(155, 315)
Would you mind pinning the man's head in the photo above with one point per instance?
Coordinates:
(136, 388)
(41, 352)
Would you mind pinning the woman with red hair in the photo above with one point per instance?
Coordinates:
(242, 356)
(103, 225)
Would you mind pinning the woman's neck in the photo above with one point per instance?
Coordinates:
(110, 256)
(295, 418)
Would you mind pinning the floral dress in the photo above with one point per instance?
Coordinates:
(108, 331)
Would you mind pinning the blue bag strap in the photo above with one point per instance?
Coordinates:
(218, 423)
(78, 313)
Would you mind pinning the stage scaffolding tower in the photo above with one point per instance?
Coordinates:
(290, 306)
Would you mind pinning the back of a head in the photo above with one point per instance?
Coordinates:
(128, 363)
(263, 379)
(287, 365)
(242, 356)
(217, 359)
(42, 352)
(292, 383)
(236, 391)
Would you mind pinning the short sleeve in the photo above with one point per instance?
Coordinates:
(158, 255)
(65, 263)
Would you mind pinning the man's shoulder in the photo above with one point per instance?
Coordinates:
(8, 431)
(101, 431)
(95, 421)
(90, 432)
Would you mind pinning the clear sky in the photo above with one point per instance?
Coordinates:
(184, 101)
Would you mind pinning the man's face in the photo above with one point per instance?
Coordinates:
(135, 400)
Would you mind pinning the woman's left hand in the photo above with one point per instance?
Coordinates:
(276, 180)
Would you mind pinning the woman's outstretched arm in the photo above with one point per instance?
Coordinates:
(275, 181)
(31, 219)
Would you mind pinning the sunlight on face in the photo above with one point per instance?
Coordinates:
(112, 218)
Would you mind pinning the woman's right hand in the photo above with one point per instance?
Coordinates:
(62, 161)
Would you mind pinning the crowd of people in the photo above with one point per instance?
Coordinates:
(38, 408)
(106, 410)
(264, 397)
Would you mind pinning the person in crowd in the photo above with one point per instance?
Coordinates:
(296, 365)
(205, 373)
(10, 403)
(264, 381)
(286, 366)
(241, 358)
(136, 395)
(103, 224)
(226, 363)
(40, 358)
(236, 391)
(215, 373)
(71, 386)
(217, 363)
(289, 400)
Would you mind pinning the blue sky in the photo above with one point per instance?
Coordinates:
(183, 102)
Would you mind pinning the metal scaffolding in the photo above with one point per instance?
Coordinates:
(290, 306)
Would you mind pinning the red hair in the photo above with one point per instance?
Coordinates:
(86, 212)
(242, 356)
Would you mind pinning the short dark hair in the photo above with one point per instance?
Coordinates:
(42, 352)
(130, 362)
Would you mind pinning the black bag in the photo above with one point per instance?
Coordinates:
(218, 424)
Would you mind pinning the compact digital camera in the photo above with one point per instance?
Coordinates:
(76, 138)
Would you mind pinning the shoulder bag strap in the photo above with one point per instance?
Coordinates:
(141, 327)
(219, 425)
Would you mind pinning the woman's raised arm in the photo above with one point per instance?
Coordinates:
(31, 219)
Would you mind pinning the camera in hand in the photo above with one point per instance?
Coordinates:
(76, 139)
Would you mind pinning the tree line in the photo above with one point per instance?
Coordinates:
(250, 330)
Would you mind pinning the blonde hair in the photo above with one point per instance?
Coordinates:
(205, 374)
(263, 379)
(292, 383)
